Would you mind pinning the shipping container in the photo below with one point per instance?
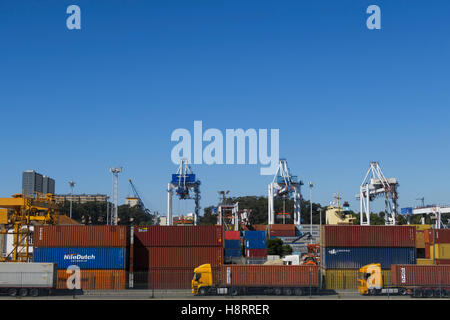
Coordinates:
(255, 244)
(424, 262)
(345, 279)
(368, 236)
(414, 275)
(420, 239)
(282, 233)
(440, 251)
(440, 236)
(235, 253)
(78, 236)
(255, 227)
(254, 235)
(268, 275)
(85, 258)
(355, 258)
(147, 257)
(442, 261)
(282, 227)
(255, 253)
(179, 236)
(93, 279)
(27, 275)
(232, 244)
(232, 235)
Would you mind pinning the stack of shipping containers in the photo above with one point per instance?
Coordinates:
(232, 245)
(437, 246)
(165, 257)
(345, 249)
(100, 253)
(420, 244)
(255, 244)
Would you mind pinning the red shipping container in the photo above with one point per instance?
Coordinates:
(442, 261)
(368, 236)
(427, 251)
(280, 233)
(418, 275)
(179, 236)
(148, 257)
(269, 275)
(255, 253)
(232, 235)
(95, 279)
(78, 236)
(440, 236)
(282, 227)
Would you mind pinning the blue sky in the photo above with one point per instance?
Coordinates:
(75, 102)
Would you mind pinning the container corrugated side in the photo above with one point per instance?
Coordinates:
(255, 253)
(232, 235)
(179, 236)
(147, 257)
(85, 258)
(269, 275)
(355, 258)
(420, 239)
(440, 251)
(424, 262)
(415, 275)
(95, 279)
(368, 236)
(442, 261)
(345, 279)
(282, 233)
(440, 236)
(255, 244)
(78, 236)
(232, 244)
(235, 253)
(282, 227)
(254, 235)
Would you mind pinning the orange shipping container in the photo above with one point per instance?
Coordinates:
(269, 275)
(95, 279)
(420, 239)
(282, 227)
(79, 236)
(147, 257)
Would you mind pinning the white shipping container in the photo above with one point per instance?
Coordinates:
(27, 275)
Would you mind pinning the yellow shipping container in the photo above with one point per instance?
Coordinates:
(420, 240)
(424, 262)
(442, 251)
(421, 227)
(341, 279)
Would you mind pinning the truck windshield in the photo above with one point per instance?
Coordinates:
(197, 276)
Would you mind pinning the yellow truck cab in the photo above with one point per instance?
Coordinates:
(370, 279)
(202, 279)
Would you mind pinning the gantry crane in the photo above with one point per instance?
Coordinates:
(183, 183)
(284, 186)
(16, 217)
(374, 185)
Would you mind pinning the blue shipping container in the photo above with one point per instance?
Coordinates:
(232, 244)
(235, 253)
(255, 244)
(355, 258)
(85, 258)
(254, 235)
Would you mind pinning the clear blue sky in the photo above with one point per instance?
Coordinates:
(74, 103)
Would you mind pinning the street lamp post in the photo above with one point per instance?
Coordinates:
(71, 184)
(310, 205)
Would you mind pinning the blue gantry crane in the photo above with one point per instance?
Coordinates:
(185, 185)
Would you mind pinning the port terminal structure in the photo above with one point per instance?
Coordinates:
(375, 185)
(284, 186)
(185, 186)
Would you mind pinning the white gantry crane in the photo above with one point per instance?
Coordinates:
(229, 216)
(374, 185)
(183, 182)
(435, 212)
(284, 186)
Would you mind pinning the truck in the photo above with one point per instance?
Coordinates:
(27, 278)
(415, 280)
(255, 279)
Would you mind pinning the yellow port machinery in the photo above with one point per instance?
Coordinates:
(17, 214)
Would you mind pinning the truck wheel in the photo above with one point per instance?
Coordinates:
(235, 291)
(417, 293)
(438, 293)
(12, 292)
(202, 291)
(402, 291)
(287, 291)
(428, 293)
(298, 291)
(23, 292)
(34, 292)
(372, 292)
